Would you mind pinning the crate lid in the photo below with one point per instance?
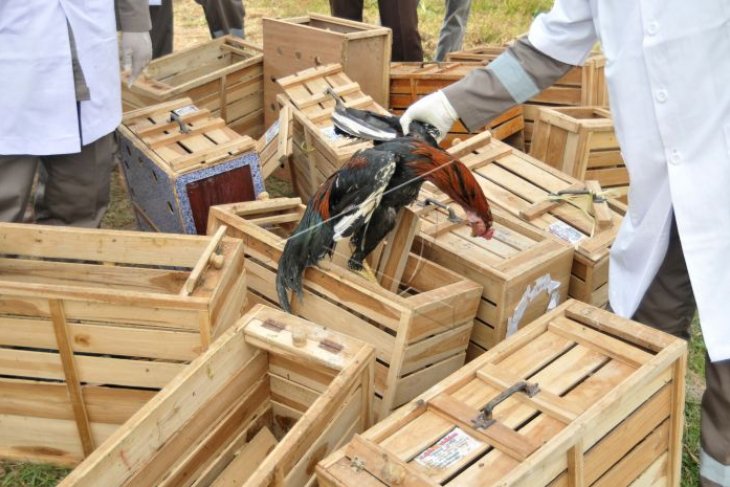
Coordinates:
(514, 244)
(522, 185)
(182, 136)
(574, 377)
(307, 91)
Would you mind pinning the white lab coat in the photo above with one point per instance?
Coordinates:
(668, 74)
(37, 95)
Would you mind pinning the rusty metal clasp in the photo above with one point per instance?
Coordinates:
(485, 420)
(452, 215)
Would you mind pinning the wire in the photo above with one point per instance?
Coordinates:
(344, 212)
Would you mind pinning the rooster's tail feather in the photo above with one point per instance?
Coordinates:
(310, 242)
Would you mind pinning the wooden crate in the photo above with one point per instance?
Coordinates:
(420, 333)
(411, 81)
(581, 141)
(267, 401)
(517, 182)
(524, 271)
(582, 86)
(175, 170)
(298, 43)
(608, 412)
(224, 75)
(317, 151)
(94, 322)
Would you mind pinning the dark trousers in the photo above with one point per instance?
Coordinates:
(669, 305)
(401, 16)
(76, 190)
(223, 17)
(162, 29)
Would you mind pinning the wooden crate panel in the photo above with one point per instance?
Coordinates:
(419, 331)
(299, 43)
(269, 399)
(411, 81)
(604, 407)
(581, 141)
(93, 323)
(316, 150)
(517, 183)
(178, 160)
(225, 76)
(524, 271)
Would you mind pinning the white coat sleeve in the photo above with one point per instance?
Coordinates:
(566, 33)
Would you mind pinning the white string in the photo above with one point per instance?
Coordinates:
(453, 160)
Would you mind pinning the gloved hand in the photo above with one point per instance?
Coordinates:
(434, 109)
(136, 53)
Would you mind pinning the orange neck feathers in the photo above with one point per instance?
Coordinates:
(453, 178)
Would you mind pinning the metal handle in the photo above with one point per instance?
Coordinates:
(485, 420)
(174, 117)
(452, 215)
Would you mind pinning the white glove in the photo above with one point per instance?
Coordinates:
(434, 109)
(136, 53)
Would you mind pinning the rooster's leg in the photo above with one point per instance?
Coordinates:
(367, 273)
(362, 269)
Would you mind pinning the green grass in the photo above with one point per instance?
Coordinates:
(491, 21)
(695, 386)
(29, 475)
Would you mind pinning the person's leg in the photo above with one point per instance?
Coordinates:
(77, 190)
(224, 17)
(347, 9)
(162, 29)
(715, 429)
(16, 181)
(669, 303)
(402, 17)
(452, 32)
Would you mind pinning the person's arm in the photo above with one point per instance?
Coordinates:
(557, 41)
(133, 19)
(517, 75)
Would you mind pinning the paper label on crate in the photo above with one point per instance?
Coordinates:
(565, 232)
(543, 284)
(182, 111)
(450, 449)
(271, 132)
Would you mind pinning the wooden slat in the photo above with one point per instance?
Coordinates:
(388, 467)
(71, 375)
(507, 440)
(395, 255)
(203, 261)
(600, 341)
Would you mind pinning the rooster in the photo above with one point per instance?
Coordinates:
(362, 199)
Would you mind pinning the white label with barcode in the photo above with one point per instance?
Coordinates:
(450, 449)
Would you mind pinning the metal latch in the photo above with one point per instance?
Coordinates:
(452, 215)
